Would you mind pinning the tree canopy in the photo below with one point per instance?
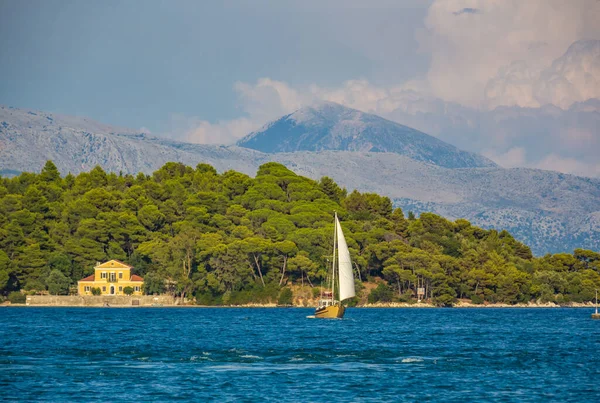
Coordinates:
(226, 238)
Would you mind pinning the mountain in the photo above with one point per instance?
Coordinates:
(330, 126)
(29, 138)
(549, 211)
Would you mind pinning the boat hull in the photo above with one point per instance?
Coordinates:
(330, 312)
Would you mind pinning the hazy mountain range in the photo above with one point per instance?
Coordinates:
(548, 210)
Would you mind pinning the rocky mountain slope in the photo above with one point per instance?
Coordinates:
(547, 210)
(330, 126)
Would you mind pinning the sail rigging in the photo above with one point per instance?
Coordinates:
(341, 276)
(345, 274)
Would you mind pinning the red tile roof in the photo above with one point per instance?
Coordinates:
(135, 277)
(88, 278)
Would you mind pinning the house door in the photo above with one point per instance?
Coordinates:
(112, 290)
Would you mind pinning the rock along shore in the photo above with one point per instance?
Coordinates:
(170, 301)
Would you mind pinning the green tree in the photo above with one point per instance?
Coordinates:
(57, 282)
(154, 284)
(151, 217)
(49, 173)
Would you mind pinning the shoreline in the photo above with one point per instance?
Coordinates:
(395, 305)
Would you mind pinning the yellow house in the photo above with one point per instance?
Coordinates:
(111, 278)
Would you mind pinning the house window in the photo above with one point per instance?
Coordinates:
(104, 289)
(120, 275)
(137, 288)
(112, 277)
(103, 275)
(120, 289)
(87, 288)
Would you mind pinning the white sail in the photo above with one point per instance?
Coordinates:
(346, 277)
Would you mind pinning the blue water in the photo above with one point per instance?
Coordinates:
(164, 354)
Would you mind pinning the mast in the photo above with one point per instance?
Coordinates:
(596, 302)
(345, 273)
(333, 266)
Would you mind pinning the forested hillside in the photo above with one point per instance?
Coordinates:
(229, 238)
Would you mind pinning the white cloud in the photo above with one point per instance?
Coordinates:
(472, 51)
(269, 98)
(573, 77)
(261, 102)
(514, 157)
(554, 162)
(225, 132)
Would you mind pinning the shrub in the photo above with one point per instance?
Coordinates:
(226, 298)
(285, 297)
(316, 292)
(96, 291)
(382, 293)
(476, 299)
(34, 285)
(16, 297)
(444, 300)
(128, 290)
(207, 299)
(406, 297)
(352, 301)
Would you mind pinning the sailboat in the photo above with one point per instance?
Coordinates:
(596, 315)
(341, 276)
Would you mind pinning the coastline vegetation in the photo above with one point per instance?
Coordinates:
(229, 238)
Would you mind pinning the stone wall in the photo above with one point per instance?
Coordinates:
(101, 300)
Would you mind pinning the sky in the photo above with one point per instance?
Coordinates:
(486, 76)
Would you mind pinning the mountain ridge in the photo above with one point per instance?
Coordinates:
(330, 126)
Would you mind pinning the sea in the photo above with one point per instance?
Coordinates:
(283, 355)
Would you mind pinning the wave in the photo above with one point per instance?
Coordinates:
(411, 359)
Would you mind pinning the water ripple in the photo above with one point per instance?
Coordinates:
(477, 355)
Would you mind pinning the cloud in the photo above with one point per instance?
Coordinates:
(269, 98)
(260, 102)
(554, 162)
(225, 132)
(573, 77)
(474, 57)
(514, 157)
